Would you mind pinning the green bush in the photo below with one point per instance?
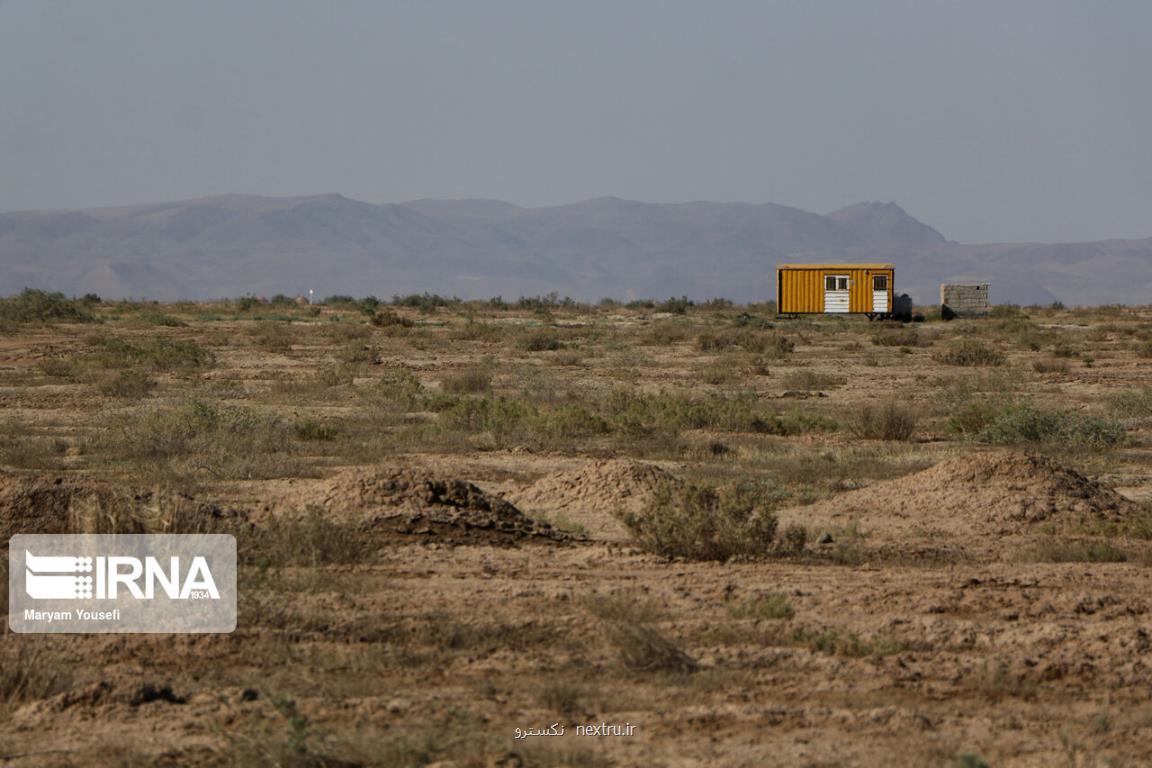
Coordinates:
(158, 354)
(540, 340)
(34, 306)
(771, 607)
(227, 443)
(1024, 424)
(707, 523)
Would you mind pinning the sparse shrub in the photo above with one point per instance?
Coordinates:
(569, 357)
(794, 538)
(59, 368)
(389, 318)
(890, 421)
(675, 306)
(309, 539)
(359, 353)
(399, 386)
(34, 306)
(470, 381)
(1025, 424)
(1057, 551)
(540, 340)
(158, 354)
(272, 336)
(1050, 366)
(129, 384)
(899, 337)
(425, 302)
(27, 675)
(970, 352)
(666, 333)
(229, 443)
(749, 339)
(313, 430)
(809, 380)
(329, 376)
(1144, 349)
(774, 607)
(643, 648)
(1132, 404)
(706, 523)
(1064, 350)
(1007, 310)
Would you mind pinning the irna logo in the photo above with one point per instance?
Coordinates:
(122, 582)
(63, 577)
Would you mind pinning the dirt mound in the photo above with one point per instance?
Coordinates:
(409, 501)
(30, 504)
(590, 495)
(996, 493)
(60, 504)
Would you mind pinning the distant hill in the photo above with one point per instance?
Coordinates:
(233, 245)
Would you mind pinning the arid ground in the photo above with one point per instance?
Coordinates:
(756, 541)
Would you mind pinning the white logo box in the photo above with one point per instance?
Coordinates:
(100, 583)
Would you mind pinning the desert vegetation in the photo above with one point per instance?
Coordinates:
(456, 518)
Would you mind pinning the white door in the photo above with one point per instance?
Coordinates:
(836, 293)
(880, 293)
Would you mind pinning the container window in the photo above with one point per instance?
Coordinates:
(880, 282)
(835, 282)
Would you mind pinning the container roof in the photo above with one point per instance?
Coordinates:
(834, 266)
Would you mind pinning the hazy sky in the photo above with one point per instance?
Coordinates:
(991, 121)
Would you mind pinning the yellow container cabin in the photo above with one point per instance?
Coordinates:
(822, 289)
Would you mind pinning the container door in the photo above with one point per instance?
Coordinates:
(880, 293)
(835, 293)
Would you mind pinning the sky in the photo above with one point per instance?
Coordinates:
(993, 121)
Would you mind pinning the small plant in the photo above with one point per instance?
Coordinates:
(1050, 366)
(1078, 552)
(899, 337)
(675, 306)
(25, 675)
(891, 421)
(1025, 424)
(540, 340)
(747, 338)
(643, 648)
(389, 318)
(312, 430)
(795, 538)
(128, 384)
(1134, 403)
(775, 607)
(970, 352)
(808, 380)
(470, 381)
(706, 523)
(33, 306)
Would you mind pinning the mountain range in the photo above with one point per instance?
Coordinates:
(234, 245)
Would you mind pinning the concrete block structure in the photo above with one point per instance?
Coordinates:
(963, 300)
